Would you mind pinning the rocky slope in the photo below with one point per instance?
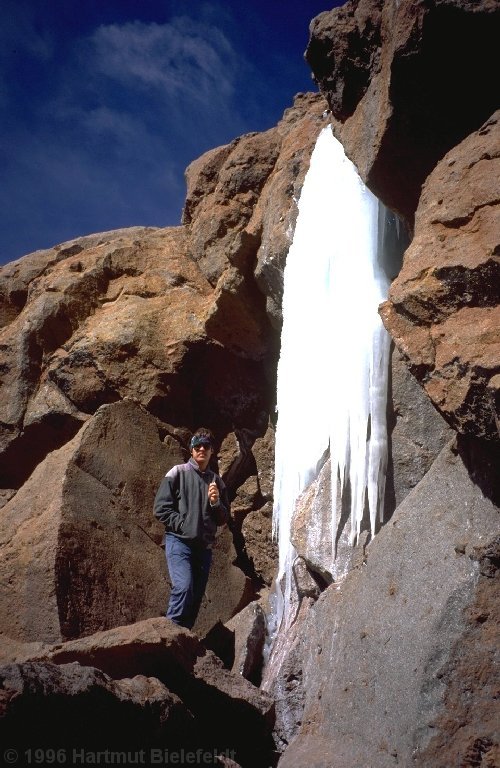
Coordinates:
(114, 346)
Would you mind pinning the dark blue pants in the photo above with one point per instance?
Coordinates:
(189, 567)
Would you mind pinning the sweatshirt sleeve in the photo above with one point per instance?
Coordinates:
(221, 510)
(166, 507)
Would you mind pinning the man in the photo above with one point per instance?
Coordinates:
(191, 502)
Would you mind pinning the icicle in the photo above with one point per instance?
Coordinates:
(333, 367)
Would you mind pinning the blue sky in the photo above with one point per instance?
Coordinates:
(105, 102)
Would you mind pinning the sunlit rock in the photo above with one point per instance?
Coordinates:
(444, 307)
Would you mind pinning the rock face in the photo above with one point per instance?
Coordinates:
(383, 687)
(241, 209)
(444, 307)
(402, 80)
(92, 693)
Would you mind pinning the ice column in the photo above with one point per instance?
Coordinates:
(333, 367)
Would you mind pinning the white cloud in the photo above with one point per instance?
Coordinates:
(184, 58)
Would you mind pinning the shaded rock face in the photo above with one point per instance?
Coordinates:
(93, 693)
(416, 435)
(444, 307)
(78, 709)
(379, 682)
(402, 80)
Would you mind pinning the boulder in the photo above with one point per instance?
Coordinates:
(95, 559)
(382, 651)
(153, 647)
(71, 711)
(443, 310)
(229, 712)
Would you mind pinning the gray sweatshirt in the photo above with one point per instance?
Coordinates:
(182, 504)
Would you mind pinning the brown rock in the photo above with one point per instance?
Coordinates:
(222, 196)
(14, 651)
(276, 210)
(241, 210)
(228, 710)
(73, 709)
(153, 647)
(123, 314)
(75, 344)
(236, 459)
(263, 451)
(259, 544)
(443, 308)
(247, 498)
(402, 79)
(95, 559)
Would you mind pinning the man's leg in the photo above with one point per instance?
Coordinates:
(202, 560)
(179, 560)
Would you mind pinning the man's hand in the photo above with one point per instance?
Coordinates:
(213, 493)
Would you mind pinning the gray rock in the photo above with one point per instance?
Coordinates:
(374, 647)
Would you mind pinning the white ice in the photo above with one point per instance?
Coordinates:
(334, 361)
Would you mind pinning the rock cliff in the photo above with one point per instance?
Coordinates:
(393, 663)
(115, 346)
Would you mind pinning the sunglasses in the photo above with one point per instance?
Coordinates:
(202, 444)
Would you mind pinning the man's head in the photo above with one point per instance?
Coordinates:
(202, 446)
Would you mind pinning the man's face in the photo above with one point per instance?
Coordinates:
(201, 453)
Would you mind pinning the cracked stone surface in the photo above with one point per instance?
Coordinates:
(81, 548)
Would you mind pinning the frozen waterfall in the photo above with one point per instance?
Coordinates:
(333, 367)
